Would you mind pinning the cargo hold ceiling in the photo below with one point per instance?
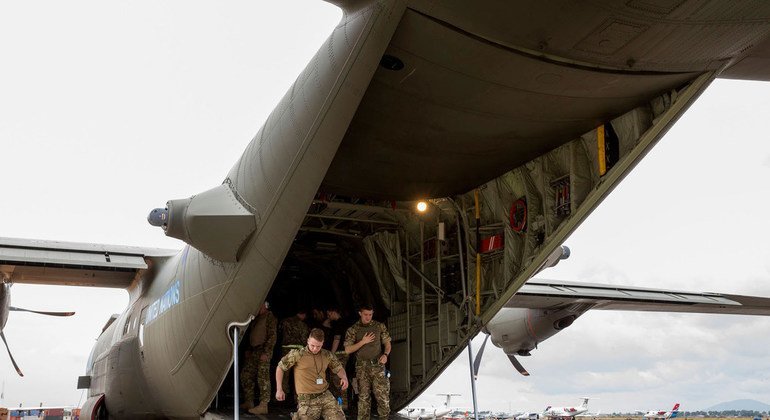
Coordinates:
(463, 110)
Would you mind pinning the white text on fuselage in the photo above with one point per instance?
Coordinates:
(164, 303)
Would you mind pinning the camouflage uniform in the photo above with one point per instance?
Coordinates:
(295, 333)
(315, 400)
(334, 332)
(324, 405)
(255, 367)
(369, 372)
(336, 383)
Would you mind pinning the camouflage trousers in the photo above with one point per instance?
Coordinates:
(336, 383)
(255, 372)
(322, 406)
(372, 380)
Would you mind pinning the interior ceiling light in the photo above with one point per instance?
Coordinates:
(422, 206)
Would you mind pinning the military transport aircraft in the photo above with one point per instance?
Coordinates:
(514, 119)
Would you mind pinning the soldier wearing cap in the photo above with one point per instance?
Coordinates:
(370, 341)
(310, 364)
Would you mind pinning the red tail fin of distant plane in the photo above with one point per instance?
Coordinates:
(674, 411)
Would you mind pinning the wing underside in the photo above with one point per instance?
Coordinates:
(539, 293)
(74, 264)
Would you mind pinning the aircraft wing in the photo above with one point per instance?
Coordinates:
(75, 264)
(538, 293)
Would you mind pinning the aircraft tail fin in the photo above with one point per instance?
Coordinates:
(585, 402)
(674, 411)
(448, 400)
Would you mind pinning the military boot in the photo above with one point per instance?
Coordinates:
(260, 409)
(247, 404)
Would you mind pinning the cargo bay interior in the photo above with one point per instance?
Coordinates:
(350, 252)
(437, 274)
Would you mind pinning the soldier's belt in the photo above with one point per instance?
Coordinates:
(370, 362)
(308, 397)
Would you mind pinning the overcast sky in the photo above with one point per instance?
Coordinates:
(109, 109)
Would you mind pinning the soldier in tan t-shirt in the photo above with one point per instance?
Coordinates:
(310, 364)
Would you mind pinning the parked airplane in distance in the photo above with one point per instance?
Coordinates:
(527, 416)
(662, 414)
(566, 412)
(429, 412)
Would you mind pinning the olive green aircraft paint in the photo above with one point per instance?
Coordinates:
(469, 95)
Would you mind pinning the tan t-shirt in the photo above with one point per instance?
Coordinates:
(308, 368)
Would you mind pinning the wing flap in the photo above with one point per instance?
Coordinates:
(547, 294)
(70, 258)
(75, 264)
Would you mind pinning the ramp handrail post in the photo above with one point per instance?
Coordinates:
(235, 374)
(473, 380)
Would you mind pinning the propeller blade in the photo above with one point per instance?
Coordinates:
(477, 361)
(10, 355)
(13, 308)
(517, 365)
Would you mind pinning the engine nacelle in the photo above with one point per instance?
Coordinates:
(519, 330)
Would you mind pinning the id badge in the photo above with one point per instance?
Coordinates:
(319, 381)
